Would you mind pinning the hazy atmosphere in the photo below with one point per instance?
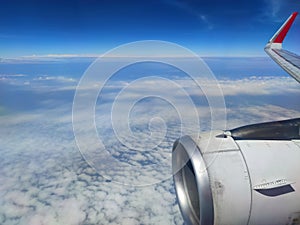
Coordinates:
(50, 175)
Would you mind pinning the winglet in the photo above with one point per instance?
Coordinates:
(279, 36)
(289, 61)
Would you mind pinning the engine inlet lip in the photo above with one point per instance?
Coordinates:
(186, 153)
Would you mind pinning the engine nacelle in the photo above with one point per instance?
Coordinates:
(249, 175)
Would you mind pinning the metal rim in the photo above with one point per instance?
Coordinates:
(192, 184)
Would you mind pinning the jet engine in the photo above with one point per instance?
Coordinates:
(248, 175)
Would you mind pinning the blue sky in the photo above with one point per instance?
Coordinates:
(209, 28)
(44, 178)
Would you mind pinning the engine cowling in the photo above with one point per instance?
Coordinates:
(249, 175)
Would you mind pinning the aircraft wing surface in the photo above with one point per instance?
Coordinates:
(289, 61)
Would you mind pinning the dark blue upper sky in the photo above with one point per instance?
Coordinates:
(208, 27)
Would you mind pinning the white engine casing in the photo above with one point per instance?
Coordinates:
(222, 181)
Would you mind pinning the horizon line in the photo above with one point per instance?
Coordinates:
(68, 56)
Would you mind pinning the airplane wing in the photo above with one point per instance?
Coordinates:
(289, 61)
(262, 158)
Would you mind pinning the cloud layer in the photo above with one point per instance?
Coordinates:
(44, 178)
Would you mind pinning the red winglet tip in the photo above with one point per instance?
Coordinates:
(284, 30)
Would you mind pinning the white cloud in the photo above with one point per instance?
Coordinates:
(44, 179)
(190, 9)
(275, 6)
(55, 78)
(13, 75)
(62, 56)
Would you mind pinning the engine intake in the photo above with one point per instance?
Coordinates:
(234, 177)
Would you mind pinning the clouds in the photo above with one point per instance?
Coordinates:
(260, 86)
(254, 85)
(275, 6)
(55, 78)
(191, 9)
(45, 180)
(279, 8)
